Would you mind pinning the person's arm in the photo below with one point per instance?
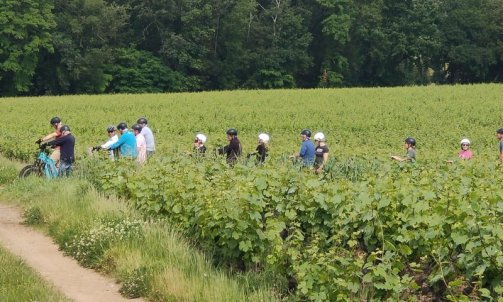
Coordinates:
(501, 157)
(49, 137)
(107, 145)
(58, 141)
(117, 144)
(400, 159)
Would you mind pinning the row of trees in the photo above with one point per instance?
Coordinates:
(112, 46)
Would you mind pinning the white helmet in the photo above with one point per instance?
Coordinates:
(319, 136)
(465, 141)
(263, 137)
(201, 137)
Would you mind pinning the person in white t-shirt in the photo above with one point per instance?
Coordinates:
(112, 138)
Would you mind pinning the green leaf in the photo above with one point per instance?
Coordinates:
(177, 209)
(384, 202)
(459, 238)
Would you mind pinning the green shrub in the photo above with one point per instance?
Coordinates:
(33, 216)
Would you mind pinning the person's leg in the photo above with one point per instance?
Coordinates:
(55, 156)
(65, 168)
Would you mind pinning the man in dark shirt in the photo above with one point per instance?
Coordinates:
(233, 150)
(67, 144)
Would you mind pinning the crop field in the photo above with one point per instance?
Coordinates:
(357, 122)
(366, 229)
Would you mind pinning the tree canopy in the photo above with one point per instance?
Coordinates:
(113, 46)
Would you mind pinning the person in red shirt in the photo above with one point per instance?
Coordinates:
(465, 152)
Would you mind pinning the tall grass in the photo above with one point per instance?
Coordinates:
(8, 170)
(20, 283)
(154, 261)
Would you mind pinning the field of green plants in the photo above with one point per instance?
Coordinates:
(366, 229)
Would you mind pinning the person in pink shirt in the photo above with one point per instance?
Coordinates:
(465, 152)
(141, 144)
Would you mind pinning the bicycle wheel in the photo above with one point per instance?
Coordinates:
(29, 170)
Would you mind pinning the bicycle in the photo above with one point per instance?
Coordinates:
(44, 166)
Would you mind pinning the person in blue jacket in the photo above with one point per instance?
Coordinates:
(307, 150)
(126, 143)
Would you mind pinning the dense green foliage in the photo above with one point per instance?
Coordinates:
(147, 257)
(395, 233)
(96, 46)
(25, 31)
(366, 229)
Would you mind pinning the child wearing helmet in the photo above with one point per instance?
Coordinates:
(465, 152)
(261, 151)
(199, 147)
(410, 146)
(263, 140)
(307, 150)
(234, 149)
(321, 152)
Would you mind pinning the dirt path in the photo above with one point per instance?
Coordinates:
(39, 252)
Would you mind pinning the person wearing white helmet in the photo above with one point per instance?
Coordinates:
(261, 151)
(465, 152)
(199, 147)
(321, 152)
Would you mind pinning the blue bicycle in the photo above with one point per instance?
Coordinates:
(43, 166)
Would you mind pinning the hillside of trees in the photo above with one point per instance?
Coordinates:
(130, 46)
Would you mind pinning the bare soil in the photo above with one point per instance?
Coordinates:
(39, 252)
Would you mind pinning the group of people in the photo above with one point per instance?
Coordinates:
(311, 155)
(139, 144)
(63, 143)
